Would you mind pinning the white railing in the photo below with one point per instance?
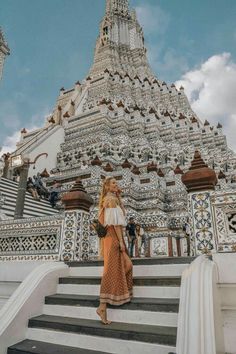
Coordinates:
(27, 301)
(200, 329)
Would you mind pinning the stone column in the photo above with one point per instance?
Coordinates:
(20, 200)
(76, 229)
(2, 202)
(200, 182)
(5, 173)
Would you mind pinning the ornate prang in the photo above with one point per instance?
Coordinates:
(44, 174)
(51, 120)
(66, 115)
(221, 175)
(160, 173)
(199, 177)
(136, 171)
(126, 164)
(178, 171)
(120, 104)
(77, 198)
(152, 167)
(96, 161)
(108, 168)
(126, 117)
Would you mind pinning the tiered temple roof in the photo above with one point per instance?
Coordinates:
(123, 121)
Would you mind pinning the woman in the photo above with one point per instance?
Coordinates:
(117, 280)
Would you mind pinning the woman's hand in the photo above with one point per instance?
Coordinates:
(122, 247)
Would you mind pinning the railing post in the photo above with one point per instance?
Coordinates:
(2, 202)
(76, 229)
(200, 181)
(20, 201)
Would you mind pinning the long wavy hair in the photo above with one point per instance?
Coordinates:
(104, 191)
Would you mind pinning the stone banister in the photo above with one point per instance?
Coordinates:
(200, 329)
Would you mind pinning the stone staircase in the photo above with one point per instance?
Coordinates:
(7, 288)
(33, 208)
(12, 274)
(148, 324)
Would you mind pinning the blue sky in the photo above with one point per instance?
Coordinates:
(52, 43)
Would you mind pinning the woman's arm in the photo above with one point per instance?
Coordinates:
(119, 233)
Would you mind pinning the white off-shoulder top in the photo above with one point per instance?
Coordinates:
(114, 216)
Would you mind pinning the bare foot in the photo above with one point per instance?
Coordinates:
(103, 315)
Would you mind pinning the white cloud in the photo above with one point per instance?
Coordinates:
(9, 144)
(211, 89)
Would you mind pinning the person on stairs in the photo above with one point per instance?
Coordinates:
(54, 194)
(131, 235)
(32, 189)
(117, 280)
(41, 189)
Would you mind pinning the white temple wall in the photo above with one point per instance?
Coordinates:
(51, 146)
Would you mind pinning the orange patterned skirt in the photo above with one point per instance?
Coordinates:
(117, 282)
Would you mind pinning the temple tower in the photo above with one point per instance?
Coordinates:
(120, 43)
(4, 51)
(122, 120)
(121, 6)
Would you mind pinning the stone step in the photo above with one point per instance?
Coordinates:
(139, 332)
(137, 281)
(139, 261)
(41, 205)
(160, 270)
(33, 208)
(138, 291)
(12, 190)
(144, 304)
(119, 314)
(35, 347)
(3, 300)
(7, 288)
(93, 342)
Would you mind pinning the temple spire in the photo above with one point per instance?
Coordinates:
(4, 51)
(119, 6)
(120, 44)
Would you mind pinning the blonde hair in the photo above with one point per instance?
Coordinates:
(104, 191)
